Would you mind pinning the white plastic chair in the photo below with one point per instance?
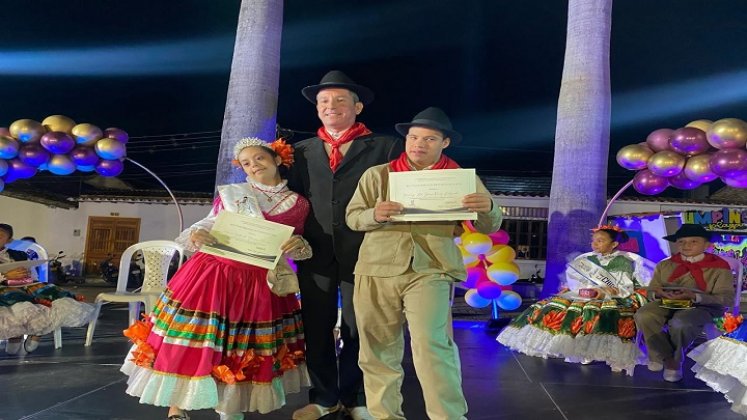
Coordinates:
(158, 256)
(43, 270)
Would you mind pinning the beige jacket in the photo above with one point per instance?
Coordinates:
(388, 249)
(719, 281)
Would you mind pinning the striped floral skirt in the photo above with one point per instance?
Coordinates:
(578, 330)
(218, 338)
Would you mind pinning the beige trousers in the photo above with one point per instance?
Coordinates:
(684, 326)
(382, 305)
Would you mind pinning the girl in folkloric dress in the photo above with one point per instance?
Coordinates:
(30, 308)
(722, 363)
(219, 337)
(590, 320)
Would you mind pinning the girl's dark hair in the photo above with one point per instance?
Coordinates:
(619, 237)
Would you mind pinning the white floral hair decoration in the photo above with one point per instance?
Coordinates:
(279, 146)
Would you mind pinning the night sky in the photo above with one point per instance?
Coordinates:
(156, 68)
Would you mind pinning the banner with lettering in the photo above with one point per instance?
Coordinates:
(725, 219)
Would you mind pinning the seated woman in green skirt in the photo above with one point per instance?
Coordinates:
(592, 318)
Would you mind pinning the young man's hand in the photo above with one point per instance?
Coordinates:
(478, 202)
(384, 210)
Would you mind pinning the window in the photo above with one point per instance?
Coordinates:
(528, 238)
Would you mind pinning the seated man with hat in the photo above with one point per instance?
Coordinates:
(405, 272)
(691, 288)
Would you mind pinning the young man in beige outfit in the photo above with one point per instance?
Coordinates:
(405, 272)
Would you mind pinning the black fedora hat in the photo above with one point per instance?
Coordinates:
(689, 230)
(434, 118)
(338, 79)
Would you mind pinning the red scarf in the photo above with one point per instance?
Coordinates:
(402, 164)
(352, 133)
(696, 268)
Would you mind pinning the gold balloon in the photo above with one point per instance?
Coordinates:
(666, 163)
(86, 134)
(58, 123)
(703, 125)
(727, 133)
(26, 130)
(698, 168)
(500, 253)
(634, 156)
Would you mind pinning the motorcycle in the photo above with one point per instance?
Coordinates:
(110, 272)
(57, 274)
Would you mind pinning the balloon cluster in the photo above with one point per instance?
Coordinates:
(688, 157)
(490, 268)
(60, 146)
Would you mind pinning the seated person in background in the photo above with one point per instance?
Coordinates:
(32, 308)
(591, 320)
(30, 252)
(694, 270)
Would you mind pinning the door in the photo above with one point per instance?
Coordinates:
(109, 235)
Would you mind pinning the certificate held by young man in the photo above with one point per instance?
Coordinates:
(248, 239)
(432, 195)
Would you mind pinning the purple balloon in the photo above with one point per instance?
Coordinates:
(2, 185)
(646, 182)
(736, 181)
(57, 142)
(109, 167)
(117, 134)
(33, 154)
(682, 182)
(3, 167)
(658, 140)
(689, 141)
(19, 170)
(729, 162)
(84, 156)
(488, 289)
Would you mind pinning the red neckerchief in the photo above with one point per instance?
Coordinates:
(401, 164)
(696, 268)
(352, 133)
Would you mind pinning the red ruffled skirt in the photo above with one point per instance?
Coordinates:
(218, 338)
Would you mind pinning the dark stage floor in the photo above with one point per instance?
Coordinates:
(76, 382)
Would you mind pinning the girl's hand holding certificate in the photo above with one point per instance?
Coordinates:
(201, 237)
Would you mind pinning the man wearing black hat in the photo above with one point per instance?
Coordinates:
(699, 283)
(405, 272)
(326, 171)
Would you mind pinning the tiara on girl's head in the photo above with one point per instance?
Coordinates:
(279, 146)
(608, 227)
(248, 142)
